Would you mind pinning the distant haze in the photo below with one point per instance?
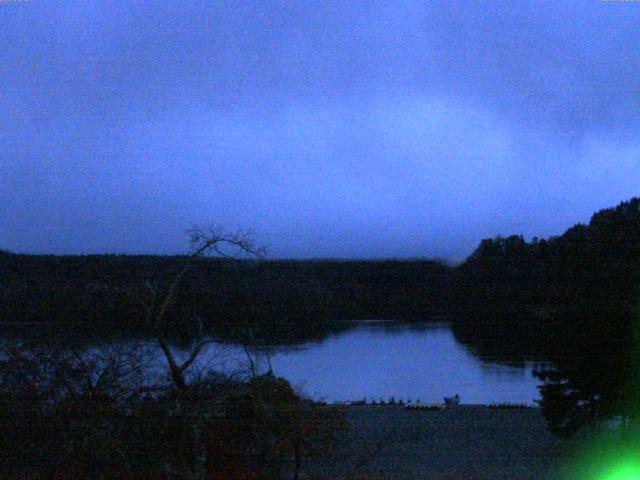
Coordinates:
(331, 129)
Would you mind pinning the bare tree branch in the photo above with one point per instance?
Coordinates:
(204, 241)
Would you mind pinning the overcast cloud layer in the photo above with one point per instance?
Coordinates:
(331, 129)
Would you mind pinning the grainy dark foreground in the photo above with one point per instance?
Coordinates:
(462, 443)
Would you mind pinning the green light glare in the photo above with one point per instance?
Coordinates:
(625, 471)
(603, 458)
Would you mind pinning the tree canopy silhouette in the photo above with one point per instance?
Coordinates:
(574, 298)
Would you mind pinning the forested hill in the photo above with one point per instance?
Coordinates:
(548, 297)
(505, 280)
(597, 263)
(107, 289)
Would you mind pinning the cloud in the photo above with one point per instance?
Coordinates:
(332, 129)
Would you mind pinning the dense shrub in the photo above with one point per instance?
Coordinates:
(76, 415)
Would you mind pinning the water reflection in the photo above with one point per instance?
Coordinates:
(379, 360)
(375, 361)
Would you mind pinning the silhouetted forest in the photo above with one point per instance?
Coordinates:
(298, 298)
(572, 299)
(507, 283)
(537, 289)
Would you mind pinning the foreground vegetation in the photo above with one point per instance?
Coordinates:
(69, 414)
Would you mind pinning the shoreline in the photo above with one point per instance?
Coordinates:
(428, 406)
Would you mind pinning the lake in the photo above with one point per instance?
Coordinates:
(377, 360)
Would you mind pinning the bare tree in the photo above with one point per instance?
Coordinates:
(157, 302)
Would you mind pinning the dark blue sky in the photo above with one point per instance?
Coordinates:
(331, 129)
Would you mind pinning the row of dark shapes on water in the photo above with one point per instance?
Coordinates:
(418, 405)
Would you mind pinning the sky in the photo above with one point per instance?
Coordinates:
(329, 129)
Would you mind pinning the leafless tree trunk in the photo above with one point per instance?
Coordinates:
(204, 242)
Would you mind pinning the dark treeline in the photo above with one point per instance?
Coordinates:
(507, 283)
(533, 292)
(573, 299)
(305, 296)
(582, 265)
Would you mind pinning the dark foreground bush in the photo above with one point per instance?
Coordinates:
(70, 415)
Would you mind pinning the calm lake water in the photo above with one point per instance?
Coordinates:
(375, 360)
(370, 360)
